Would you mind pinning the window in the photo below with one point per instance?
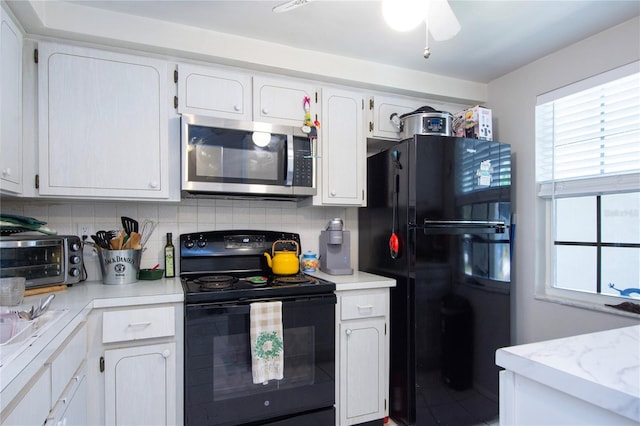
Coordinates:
(588, 174)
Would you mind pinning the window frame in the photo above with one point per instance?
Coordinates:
(546, 195)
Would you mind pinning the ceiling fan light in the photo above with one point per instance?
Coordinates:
(441, 20)
(404, 15)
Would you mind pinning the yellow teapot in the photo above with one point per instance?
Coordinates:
(283, 262)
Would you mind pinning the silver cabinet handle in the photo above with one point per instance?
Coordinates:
(139, 324)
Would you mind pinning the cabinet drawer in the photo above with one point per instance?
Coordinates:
(135, 324)
(67, 361)
(363, 305)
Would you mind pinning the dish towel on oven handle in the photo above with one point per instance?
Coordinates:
(267, 346)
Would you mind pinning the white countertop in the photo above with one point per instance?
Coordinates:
(76, 302)
(356, 281)
(600, 368)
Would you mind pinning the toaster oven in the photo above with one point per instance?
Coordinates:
(42, 260)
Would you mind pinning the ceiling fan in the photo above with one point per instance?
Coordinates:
(405, 15)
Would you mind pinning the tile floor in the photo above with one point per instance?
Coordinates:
(441, 405)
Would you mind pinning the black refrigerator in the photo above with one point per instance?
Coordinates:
(438, 220)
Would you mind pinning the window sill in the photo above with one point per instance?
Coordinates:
(591, 302)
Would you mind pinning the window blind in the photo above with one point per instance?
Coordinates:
(588, 139)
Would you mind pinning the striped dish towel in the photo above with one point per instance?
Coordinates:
(267, 345)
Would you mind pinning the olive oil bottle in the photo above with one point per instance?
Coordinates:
(169, 258)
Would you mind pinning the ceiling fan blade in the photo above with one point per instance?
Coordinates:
(442, 22)
(290, 5)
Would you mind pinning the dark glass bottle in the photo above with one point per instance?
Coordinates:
(169, 258)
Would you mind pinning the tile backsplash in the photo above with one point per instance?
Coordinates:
(190, 215)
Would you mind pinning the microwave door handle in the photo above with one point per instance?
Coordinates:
(288, 162)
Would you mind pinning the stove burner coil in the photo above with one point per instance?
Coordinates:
(294, 279)
(215, 282)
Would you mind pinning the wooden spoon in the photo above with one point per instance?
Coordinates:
(133, 243)
(116, 243)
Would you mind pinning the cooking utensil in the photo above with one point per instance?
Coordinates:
(117, 242)
(394, 243)
(423, 121)
(148, 226)
(43, 306)
(129, 225)
(133, 242)
(101, 241)
(36, 311)
(283, 262)
(26, 315)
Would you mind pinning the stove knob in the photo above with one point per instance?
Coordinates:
(74, 272)
(74, 260)
(202, 243)
(74, 246)
(189, 244)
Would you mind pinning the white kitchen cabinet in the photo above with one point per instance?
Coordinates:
(381, 109)
(281, 100)
(140, 385)
(71, 408)
(587, 379)
(10, 104)
(32, 405)
(52, 389)
(103, 124)
(342, 163)
(528, 402)
(214, 92)
(362, 351)
(136, 366)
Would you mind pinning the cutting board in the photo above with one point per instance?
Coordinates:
(41, 290)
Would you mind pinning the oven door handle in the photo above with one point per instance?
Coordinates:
(245, 306)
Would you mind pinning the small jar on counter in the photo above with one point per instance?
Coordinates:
(309, 262)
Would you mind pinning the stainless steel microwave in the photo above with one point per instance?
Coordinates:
(246, 158)
(42, 260)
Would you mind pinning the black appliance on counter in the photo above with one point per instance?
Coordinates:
(222, 273)
(446, 200)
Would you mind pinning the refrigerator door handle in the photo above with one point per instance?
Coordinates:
(436, 226)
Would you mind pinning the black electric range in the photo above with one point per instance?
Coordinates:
(221, 266)
(224, 274)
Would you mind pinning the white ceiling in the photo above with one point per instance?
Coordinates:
(496, 37)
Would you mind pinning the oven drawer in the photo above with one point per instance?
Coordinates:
(363, 305)
(135, 324)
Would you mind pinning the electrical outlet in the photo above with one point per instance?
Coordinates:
(84, 229)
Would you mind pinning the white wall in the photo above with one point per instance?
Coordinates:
(190, 215)
(512, 99)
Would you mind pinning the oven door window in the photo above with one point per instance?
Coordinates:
(218, 382)
(236, 156)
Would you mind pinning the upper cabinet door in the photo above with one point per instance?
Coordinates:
(343, 149)
(103, 124)
(10, 105)
(281, 101)
(213, 92)
(382, 110)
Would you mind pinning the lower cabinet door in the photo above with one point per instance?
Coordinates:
(140, 385)
(362, 375)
